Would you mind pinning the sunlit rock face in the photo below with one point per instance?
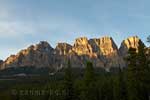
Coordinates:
(104, 46)
(82, 47)
(103, 52)
(63, 48)
(131, 42)
(39, 55)
(107, 51)
(82, 51)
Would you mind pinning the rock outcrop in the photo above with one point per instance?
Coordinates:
(39, 55)
(82, 47)
(103, 52)
(107, 51)
(63, 48)
(104, 46)
(131, 42)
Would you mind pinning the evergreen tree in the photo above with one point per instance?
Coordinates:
(120, 92)
(89, 90)
(138, 73)
(89, 75)
(68, 83)
(148, 64)
(142, 72)
(132, 75)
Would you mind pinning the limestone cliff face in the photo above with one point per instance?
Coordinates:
(131, 42)
(103, 52)
(107, 51)
(63, 48)
(104, 46)
(82, 46)
(40, 55)
(82, 51)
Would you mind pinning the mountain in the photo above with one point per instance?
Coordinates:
(103, 52)
(127, 43)
(39, 55)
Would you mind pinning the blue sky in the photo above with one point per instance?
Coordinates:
(26, 22)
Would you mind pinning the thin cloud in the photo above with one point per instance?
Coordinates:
(11, 29)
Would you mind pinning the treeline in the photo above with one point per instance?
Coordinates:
(132, 83)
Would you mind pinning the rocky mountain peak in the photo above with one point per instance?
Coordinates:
(106, 38)
(82, 46)
(103, 52)
(107, 51)
(131, 42)
(108, 46)
(104, 45)
(81, 41)
(35, 55)
(42, 46)
(63, 48)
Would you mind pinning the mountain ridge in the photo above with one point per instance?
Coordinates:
(103, 52)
